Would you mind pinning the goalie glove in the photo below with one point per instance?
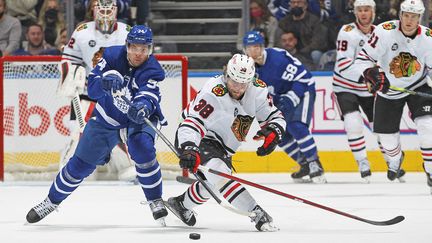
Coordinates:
(112, 81)
(138, 111)
(376, 80)
(73, 78)
(272, 135)
(190, 157)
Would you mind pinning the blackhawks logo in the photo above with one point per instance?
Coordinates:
(404, 65)
(429, 32)
(389, 26)
(219, 90)
(82, 27)
(241, 126)
(259, 83)
(348, 28)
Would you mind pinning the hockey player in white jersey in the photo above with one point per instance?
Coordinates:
(350, 90)
(83, 51)
(399, 54)
(215, 123)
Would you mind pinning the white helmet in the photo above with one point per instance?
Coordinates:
(412, 6)
(241, 68)
(359, 3)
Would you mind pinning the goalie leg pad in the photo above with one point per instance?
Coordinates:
(69, 178)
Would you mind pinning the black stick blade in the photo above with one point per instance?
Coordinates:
(393, 221)
(186, 180)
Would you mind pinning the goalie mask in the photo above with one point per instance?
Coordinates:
(105, 16)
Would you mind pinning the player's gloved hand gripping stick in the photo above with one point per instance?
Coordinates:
(207, 187)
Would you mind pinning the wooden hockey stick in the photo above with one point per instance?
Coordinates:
(207, 187)
(298, 199)
(411, 92)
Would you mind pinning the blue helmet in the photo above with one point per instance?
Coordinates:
(253, 38)
(140, 34)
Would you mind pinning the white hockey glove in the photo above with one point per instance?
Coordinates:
(429, 81)
(72, 80)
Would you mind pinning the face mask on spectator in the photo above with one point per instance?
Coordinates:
(51, 15)
(297, 11)
(257, 13)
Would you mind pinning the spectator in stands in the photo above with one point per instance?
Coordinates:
(62, 39)
(24, 10)
(279, 8)
(290, 42)
(260, 18)
(52, 20)
(10, 31)
(35, 43)
(312, 34)
(323, 9)
(140, 13)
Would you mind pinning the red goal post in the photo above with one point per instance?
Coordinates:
(33, 117)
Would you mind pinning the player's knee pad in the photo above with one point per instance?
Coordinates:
(298, 130)
(141, 148)
(79, 169)
(353, 123)
(389, 141)
(424, 130)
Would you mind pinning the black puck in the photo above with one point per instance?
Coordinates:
(194, 236)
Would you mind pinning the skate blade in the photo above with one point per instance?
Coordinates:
(269, 227)
(319, 179)
(161, 221)
(401, 179)
(302, 180)
(366, 179)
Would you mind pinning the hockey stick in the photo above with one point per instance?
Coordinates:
(78, 111)
(207, 187)
(411, 92)
(298, 199)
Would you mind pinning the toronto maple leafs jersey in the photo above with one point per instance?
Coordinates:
(405, 61)
(346, 76)
(139, 83)
(86, 41)
(285, 74)
(215, 115)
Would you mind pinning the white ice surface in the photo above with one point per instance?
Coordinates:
(111, 212)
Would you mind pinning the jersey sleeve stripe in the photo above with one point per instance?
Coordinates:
(146, 93)
(344, 63)
(350, 85)
(72, 56)
(191, 127)
(300, 75)
(195, 124)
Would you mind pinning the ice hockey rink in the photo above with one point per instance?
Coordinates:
(112, 212)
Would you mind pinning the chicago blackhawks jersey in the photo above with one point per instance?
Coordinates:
(215, 115)
(346, 76)
(85, 45)
(405, 60)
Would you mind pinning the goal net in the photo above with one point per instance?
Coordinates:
(34, 120)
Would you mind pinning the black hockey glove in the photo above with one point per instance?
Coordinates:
(376, 80)
(272, 135)
(190, 157)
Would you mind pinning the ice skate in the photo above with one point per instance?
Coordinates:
(300, 176)
(175, 205)
(159, 211)
(316, 172)
(263, 221)
(394, 169)
(365, 171)
(40, 211)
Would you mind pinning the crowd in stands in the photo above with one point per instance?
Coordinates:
(38, 27)
(306, 28)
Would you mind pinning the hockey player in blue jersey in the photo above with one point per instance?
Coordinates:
(293, 91)
(132, 71)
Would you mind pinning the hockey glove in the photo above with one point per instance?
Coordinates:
(138, 111)
(272, 135)
(112, 80)
(376, 80)
(285, 102)
(190, 157)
